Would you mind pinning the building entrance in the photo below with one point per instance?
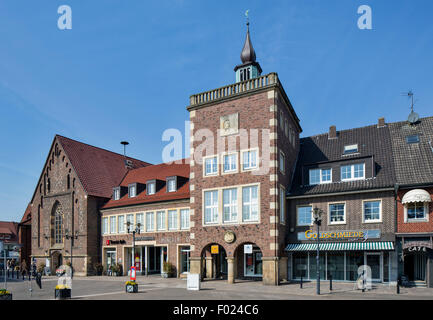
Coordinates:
(415, 266)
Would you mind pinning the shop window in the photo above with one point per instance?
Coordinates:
(184, 259)
(300, 265)
(313, 266)
(253, 263)
(335, 265)
(353, 261)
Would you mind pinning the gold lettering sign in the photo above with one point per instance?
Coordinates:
(309, 234)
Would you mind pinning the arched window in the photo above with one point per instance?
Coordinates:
(49, 185)
(68, 181)
(58, 224)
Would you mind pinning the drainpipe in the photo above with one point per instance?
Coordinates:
(396, 187)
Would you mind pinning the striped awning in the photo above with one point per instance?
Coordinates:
(341, 246)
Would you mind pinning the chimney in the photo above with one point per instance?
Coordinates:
(381, 122)
(332, 132)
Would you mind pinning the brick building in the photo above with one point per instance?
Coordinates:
(413, 157)
(245, 140)
(154, 201)
(349, 176)
(75, 181)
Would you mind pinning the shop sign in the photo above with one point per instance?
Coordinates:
(110, 242)
(248, 248)
(144, 238)
(214, 249)
(340, 235)
(416, 249)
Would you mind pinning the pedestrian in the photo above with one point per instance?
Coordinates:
(23, 268)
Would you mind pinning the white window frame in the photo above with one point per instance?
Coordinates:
(380, 211)
(329, 215)
(426, 212)
(169, 214)
(320, 176)
(213, 173)
(150, 227)
(121, 225)
(223, 161)
(249, 168)
(184, 222)
(116, 195)
(351, 147)
(214, 213)
(113, 226)
(105, 225)
(132, 187)
(282, 162)
(148, 184)
(171, 180)
(251, 203)
(352, 172)
(230, 205)
(141, 221)
(162, 226)
(297, 215)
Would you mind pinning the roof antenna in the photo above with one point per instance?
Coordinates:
(125, 143)
(413, 116)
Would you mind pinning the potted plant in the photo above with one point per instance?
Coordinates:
(5, 294)
(131, 286)
(98, 268)
(62, 292)
(167, 270)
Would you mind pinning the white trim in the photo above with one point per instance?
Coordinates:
(329, 213)
(297, 215)
(223, 155)
(213, 174)
(241, 160)
(320, 176)
(380, 211)
(426, 212)
(352, 172)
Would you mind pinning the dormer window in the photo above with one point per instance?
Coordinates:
(116, 193)
(151, 187)
(353, 172)
(319, 176)
(351, 149)
(132, 190)
(171, 184)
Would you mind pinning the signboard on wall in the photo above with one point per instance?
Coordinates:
(340, 235)
(214, 249)
(248, 248)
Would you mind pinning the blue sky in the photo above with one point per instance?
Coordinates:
(127, 68)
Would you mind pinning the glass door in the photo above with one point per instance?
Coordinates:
(374, 261)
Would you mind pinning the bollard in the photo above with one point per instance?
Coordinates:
(301, 282)
(398, 286)
(330, 282)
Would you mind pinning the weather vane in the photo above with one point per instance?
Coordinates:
(246, 15)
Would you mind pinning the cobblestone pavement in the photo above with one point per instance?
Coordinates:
(157, 288)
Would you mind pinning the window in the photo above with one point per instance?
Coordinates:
(250, 203)
(230, 162)
(150, 222)
(305, 216)
(211, 207)
(412, 139)
(58, 224)
(151, 187)
(140, 221)
(184, 259)
(416, 211)
(184, 218)
(318, 176)
(171, 184)
(282, 205)
(353, 172)
(249, 160)
(104, 225)
(351, 149)
(372, 211)
(282, 162)
(160, 220)
(337, 213)
(130, 219)
(116, 193)
(113, 224)
(286, 128)
(230, 205)
(121, 224)
(132, 190)
(211, 166)
(172, 220)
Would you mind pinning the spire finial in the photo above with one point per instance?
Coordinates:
(246, 15)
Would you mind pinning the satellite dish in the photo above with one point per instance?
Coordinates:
(413, 118)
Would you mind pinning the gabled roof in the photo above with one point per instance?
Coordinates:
(154, 172)
(8, 228)
(98, 169)
(27, 214)
(413, 162)
(373, 143)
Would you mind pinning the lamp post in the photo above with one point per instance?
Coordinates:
(72, 237)
(317, 215)
(134, 231)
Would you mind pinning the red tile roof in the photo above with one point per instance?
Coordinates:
(159, 172)
(8, 228)
(99, 170)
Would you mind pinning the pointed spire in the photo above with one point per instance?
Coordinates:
(248, 55)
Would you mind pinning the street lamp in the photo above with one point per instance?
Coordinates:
(72, 237)
(134, 231)
(317, 215)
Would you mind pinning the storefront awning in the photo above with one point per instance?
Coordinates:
(416, 195)
(341, 246)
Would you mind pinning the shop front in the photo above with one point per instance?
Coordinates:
(341, 261)
(148, 258)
